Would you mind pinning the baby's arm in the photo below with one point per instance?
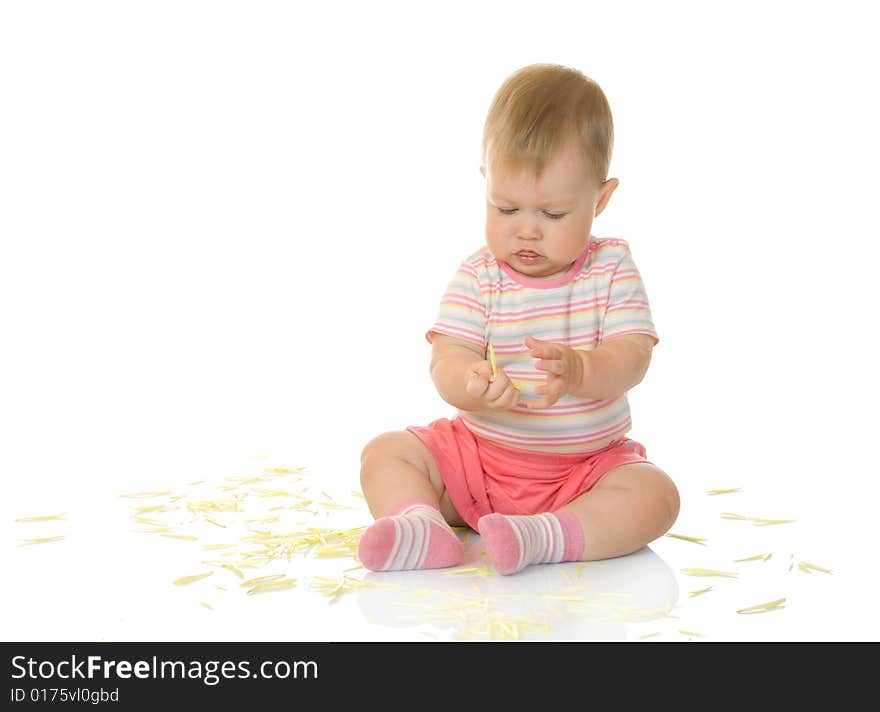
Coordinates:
(615, 366)
(606, 372)
(463, 376)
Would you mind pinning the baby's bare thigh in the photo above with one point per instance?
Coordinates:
(408, 447)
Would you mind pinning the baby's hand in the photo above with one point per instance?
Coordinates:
(563, 366)
(498, 393)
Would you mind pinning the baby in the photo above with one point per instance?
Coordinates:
(538, 338)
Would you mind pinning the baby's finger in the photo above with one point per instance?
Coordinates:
(550, 365)
(484, 368)
(498, 386)
(542, 349)
(477, 385)
(508, 398)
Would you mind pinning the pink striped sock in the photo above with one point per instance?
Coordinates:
(413, 536)
(514, 542)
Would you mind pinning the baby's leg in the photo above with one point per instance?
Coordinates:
(405, 493)
(629, 507)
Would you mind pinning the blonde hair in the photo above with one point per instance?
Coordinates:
(538, 109)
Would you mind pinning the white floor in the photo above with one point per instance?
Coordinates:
(111, 579)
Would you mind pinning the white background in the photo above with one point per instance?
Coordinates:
(226, 225)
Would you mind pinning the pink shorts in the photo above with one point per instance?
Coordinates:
(482, 477)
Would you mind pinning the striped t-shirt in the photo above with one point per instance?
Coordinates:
(601, 296)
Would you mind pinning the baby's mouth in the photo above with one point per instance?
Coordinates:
(528, 257)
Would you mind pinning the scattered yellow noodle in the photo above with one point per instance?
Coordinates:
(724, 491)
(336, 587)
(157, 493)
(273, 586)
(155, 530)
(183, 580)
(482, 570)
(731, 515)
(768, 557)
(40, 540)
(690, 632)
(709, 572)
(194, 482)
(357, 493)
(648, 635)
(152, 508)
(761, 607)
(806, 566)
(756, 520)
(206, 605)
(234, 570)
(262, 579)
(791, 562)
(701, 591)
(756, 557)
(213, 521)
(215, 505)
(284, 470)
(579, 568)
(44, 518)
(185, 537)
(147, 520)
(694, 539)
(218, 546)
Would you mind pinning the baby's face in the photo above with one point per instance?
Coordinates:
(541, 226)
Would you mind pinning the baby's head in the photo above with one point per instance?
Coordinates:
(546, 149)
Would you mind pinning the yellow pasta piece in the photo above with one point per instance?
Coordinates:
(761, 607)
(806, 566)
(724, 491)
(206, 605)
(701, 591)
(218, 546)
(273, 586)
(690, 632)
(185, 537)
(183, 580)
(756, 557)
(234, 570)
(262, 579)
(483, 570)
(40, 540)
(492, 362)
(709, 572)
(731, 515)
(157, 493)
(44, 518)
(693, 539)
(648, 635)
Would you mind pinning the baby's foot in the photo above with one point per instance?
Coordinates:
(513, 542)
(414, 536)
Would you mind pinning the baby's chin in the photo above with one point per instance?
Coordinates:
(537, 268)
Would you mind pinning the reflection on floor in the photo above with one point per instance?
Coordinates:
(569, 601)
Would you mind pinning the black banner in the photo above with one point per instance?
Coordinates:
(130, 675)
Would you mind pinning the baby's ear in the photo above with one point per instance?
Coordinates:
(483, 171)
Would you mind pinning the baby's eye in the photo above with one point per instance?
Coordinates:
(507, 211)
(555, 216)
